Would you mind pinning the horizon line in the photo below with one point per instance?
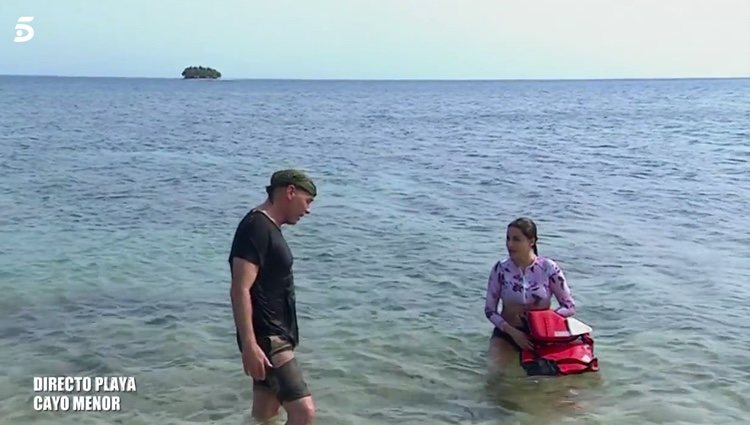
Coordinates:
(662, 78)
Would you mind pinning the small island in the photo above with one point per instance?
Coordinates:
(200, 72)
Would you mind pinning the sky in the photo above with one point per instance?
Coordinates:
(381, 39)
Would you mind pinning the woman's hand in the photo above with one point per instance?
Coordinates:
(521, 339)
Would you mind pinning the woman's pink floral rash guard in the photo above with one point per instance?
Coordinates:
(531, 287)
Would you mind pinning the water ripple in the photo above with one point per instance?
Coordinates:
(119, 204)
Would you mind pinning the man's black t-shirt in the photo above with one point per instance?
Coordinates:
(260, 241)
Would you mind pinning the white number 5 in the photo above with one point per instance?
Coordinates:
(24, 31)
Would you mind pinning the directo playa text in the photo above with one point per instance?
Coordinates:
(77, 384)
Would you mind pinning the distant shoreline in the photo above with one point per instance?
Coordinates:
(476, 80)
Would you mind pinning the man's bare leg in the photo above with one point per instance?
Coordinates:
(265, 404)
(301, 411)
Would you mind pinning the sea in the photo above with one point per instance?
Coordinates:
(119, 199)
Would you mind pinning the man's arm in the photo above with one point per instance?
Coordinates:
(248, 254)
(243, 276)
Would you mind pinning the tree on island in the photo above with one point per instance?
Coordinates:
(200, 72)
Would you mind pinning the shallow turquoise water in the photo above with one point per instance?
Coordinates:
(120, 198)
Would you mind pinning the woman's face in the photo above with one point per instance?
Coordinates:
(519, 246)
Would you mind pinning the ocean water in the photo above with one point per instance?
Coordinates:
(119, 199)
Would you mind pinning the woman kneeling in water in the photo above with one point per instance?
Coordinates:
(524, 281)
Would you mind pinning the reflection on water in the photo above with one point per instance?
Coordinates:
(542, 399)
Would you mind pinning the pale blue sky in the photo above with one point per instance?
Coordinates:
(381, 39)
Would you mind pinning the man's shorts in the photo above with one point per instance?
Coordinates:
(287, 381)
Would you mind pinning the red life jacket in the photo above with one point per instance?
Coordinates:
(558, 351)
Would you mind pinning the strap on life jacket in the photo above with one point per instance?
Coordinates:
(558, 350)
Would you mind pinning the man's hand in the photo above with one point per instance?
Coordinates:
(255, 362)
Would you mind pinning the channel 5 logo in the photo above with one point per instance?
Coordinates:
(24, 31)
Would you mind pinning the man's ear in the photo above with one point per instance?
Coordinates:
(290, 192)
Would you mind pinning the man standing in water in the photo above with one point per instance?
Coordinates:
(263, 300)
